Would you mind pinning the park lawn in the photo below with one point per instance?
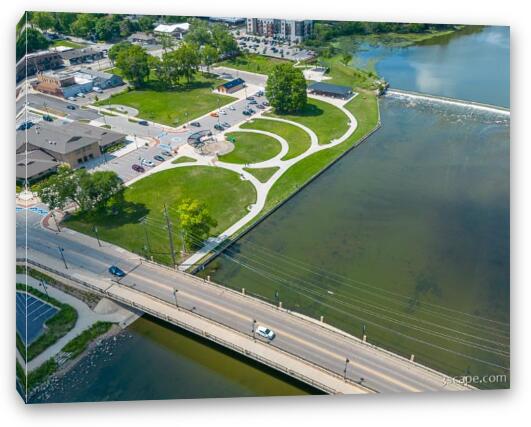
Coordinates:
(365, 108)
(67, 43)
(183, 159)
(172, 106)
(225, 195)
(347, 75)
(262, 174)
(326, 120)
(299, 141)
(251, 148)
(253, 63)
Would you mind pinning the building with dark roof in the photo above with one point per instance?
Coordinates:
(34, 165)
(328, 89)
(34, 63)
(80, 56)
(231, 86)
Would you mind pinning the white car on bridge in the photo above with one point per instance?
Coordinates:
(265, 332)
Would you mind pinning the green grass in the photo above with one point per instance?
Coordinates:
(253, 63)
(57, 326)
(183, 159)
(346, 75)
(40, 374)
(80, 343)
(262, 174)
(251, 148)
(222, 191)
(67, 43)
(327, 121)
(365, 109)
(299, 141)
(172, 106)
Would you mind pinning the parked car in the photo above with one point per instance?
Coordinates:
(214, 114)
(222, 112)
(146, 162)
(253, 102)
(71, 107)
(260, 93)
(195, 124)
(232, 108)
(97, 89)
(47, 118)
(251, 110)
(250, 98)
(71, 98)
(138, 168)
(260, 106)
(118, 272)
(158, 157)
(166, 153)
(225, 125)
(265, 332)
(218, 127)
(80, 95)
(25, 125)
(143, 123)
(265, 104)
(246, 113)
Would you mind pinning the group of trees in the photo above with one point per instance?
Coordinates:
(133, 61)
(215, 36)
(327, 30)
(88, 190)
(286, 89)
(195, 221)
(30, 40)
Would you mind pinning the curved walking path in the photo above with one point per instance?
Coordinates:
(262, 188)
(283, 151)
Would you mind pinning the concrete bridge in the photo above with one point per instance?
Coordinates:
(450, 101)
(306, 349)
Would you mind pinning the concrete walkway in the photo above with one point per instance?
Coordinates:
(262, 189)
(106, 311)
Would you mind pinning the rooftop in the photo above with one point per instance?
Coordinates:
(33, 163)
(233, 83)
(77, 53)
(170, 28)
(330, 88)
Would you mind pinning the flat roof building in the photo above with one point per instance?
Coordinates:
(328, 89)
(175, 30)
(296, 31)
(80, 56)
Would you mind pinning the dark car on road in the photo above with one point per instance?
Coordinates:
(138, 168)
(47, 118)
(218, 127)
(116, 271)
(25, 125)
(143, 123)
(195, 124)
(246, 113)
(159, 158)
(71, 107)
(166, 153)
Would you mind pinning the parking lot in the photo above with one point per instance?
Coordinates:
(32, 313)
(273, 47)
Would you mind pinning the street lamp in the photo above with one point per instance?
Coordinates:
(254, 329)
(61, 250)
(346, 366)
(175, 295)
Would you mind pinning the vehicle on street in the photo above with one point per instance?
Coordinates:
(251, 110)
(265, 103)
(225, 125)
(47, 118)
(146, 162)
(80, 95)
(265, 332)
(97, 89)
(138, 168)
(246, 113)
(195, 124)
(260, 93)
(218, 127)
(214, 114)
(118, 272)
(232, 108)
(71, 107)
(143, 123)
(71, 98)
(158, 157)
(250, 98)
(260, 106)
(253, 102)
(222, 112)
(166, 153)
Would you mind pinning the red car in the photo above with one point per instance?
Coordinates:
(138, 168)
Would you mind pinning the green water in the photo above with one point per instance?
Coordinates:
(151, 360)
(408, 235)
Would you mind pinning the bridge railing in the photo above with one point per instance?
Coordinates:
(227, 344)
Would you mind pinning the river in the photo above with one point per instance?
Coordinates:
(409, 232)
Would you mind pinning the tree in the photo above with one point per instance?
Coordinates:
(346, 58)
(106, 28)
(30, 40)
(224, 40)
(84, 25)
(43, 20)
(87, 190)
(209, 55)
(286, 89)
(134, 63)
(195, 222)
(146, 23)
(117, 48)
(199, 33)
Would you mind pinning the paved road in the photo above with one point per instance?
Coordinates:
(309, 340)
(54, 105)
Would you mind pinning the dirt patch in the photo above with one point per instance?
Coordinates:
(219, 148)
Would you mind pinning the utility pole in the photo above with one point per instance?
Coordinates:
(55, 220)
(254, 329)
(346, 366)
(61, 250)
(95, 229)
(170, 235)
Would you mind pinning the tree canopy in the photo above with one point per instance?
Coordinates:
(30, 40)
(195, 222)
(134, 62)
(286, 89)
(87, 190)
